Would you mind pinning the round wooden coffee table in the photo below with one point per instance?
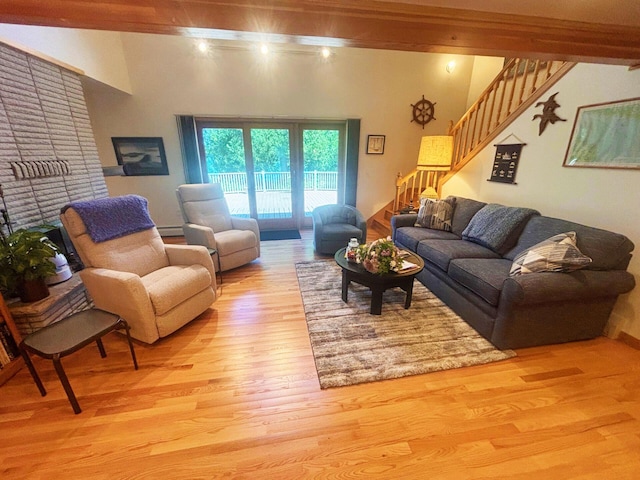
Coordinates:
(355, 272)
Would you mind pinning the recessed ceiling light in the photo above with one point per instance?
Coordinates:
(264, 48)
(325, 52)
(202, 46)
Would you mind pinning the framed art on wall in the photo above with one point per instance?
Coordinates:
(505, 163)
(606, 135)
(141, 155)
(375, 144)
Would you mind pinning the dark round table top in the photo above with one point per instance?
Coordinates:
(358, 268)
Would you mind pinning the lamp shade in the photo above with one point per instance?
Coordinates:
(435, 153)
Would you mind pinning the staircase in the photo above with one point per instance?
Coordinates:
(520, 83)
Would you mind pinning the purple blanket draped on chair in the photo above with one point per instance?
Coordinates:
(114, 217)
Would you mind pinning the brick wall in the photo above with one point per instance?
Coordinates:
(48, 155)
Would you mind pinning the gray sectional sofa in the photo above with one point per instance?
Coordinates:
(472, 275)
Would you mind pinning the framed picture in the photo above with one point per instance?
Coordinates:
(530, 66)
(606, 135)
(141, 155)
(375, 144)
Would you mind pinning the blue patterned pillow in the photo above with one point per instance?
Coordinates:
(556, 254)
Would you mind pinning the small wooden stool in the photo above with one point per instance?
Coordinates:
(69, 335)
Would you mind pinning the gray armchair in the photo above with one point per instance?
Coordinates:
(209, 223)
(334, 225)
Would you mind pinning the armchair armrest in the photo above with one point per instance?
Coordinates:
(239, 223)
(191, 255)
(199, 235)
(317, 227)
(123, 293)
(361, 223)
(554, 287)
(402, 220)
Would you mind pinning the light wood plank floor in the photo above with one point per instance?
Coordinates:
(235, 395)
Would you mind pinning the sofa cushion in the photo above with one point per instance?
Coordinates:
(436, 214)
(410, 236)
(339, 231)
(170, 286)
(483, 276)
(232, 241)
(608, 250)
(497, 227)
(556, 254)
(441, 252)
(463, 212)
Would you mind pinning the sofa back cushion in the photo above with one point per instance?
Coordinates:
(337, 214)
(497, 226)
(608, 250)
(463, 212)
(205, 204)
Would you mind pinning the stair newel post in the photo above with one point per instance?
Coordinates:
(396, 201)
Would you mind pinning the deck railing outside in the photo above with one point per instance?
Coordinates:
(273, 192)
(274, 181)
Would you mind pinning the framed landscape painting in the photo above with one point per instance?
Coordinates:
(141, 155)
(606, 135)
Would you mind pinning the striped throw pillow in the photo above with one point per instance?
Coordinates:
(556, 254)
(435, 214)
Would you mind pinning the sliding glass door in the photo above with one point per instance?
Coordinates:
(276, 172)
(322, 160)
(274, 178)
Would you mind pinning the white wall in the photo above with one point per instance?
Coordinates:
(97, 53)
(169, 76)
(604, 198)
(485, 69)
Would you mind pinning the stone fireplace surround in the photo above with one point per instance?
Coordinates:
(48, 155)
(48, 158)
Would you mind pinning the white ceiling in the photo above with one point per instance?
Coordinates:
(617, 12)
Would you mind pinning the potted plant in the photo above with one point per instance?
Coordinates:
(25, 261)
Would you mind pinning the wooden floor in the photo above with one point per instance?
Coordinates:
(234, 394)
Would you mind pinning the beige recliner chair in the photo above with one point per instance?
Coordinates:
(156, 288)
(209, 223)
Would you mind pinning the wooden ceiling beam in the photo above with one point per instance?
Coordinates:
(354, 23)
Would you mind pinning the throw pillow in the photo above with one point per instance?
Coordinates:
(436, 214)
(497, 227)
(556, 254)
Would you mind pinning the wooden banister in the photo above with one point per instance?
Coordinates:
(520, 83)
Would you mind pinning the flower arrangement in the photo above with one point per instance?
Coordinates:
(380, 256)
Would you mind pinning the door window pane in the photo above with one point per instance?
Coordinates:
(272, 172)
(224, 153)
(320, 149)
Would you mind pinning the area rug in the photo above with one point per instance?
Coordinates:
(279, 235)
(351, 346)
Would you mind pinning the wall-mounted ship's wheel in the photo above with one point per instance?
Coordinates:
(423, 112)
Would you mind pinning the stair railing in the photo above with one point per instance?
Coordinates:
(515, 88)
(409, 187)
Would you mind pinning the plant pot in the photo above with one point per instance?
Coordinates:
(33, 290)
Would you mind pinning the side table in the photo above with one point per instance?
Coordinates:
(69, 335)
(212, 252)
